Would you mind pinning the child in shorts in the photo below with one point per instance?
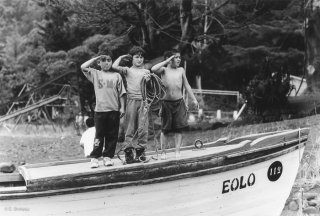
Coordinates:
(174, 110)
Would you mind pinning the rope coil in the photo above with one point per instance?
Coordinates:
(153, 92)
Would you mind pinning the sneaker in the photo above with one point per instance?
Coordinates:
(94, 163)
(107, 161)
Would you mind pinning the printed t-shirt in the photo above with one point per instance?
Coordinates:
(108, 87)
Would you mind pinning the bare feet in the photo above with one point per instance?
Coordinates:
(163, 155)
(178, 155)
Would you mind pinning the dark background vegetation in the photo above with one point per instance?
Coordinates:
(251, 46)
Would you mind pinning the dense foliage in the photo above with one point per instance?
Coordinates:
(227, 42)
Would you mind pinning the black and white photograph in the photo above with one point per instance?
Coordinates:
(160, 107)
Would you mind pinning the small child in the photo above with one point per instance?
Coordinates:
(109, 91)
(174, 110)
(87, 138)
(136, 117)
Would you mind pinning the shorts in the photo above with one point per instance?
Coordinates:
(174, 116)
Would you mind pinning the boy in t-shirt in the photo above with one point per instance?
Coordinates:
(87, 138)
(109, 91)
(173, 110)
(136, 117)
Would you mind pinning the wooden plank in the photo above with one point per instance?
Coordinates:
(183, 148)
(57, 163)
(10, 190)
(10, 177)
(84, 167)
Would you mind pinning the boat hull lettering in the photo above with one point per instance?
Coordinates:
(238, 183)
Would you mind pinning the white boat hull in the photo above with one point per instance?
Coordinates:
(245, 190)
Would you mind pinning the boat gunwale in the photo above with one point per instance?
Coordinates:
(138, 166)
(217, 142)
(208, 171)
(166, 163)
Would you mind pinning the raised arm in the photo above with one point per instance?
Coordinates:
(120, 69)
(188, 88)
(86, 65)
(159, 68)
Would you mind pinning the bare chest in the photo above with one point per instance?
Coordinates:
(172, 78)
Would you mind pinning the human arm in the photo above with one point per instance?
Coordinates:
(121, 92)
(85, 66)
(188, 88)
(122, 106)
(120, 69)
(159, 68)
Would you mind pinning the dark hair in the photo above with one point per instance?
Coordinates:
(105, 50)
(90, 122)
(103, 58)
(126, 61)
(136, 50)
(170, 53)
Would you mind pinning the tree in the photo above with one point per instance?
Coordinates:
(313, 44)
(151, 24)
(57, 29)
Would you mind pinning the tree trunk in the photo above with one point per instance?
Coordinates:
(149, 16)
(186, 21)
(313, 44)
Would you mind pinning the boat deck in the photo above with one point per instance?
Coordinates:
(39, 171)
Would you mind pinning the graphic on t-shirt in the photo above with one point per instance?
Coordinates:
(108, 83)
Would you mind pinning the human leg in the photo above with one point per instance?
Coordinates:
(99, 122)
(178, 142)
(163, 144)
(122, 130)
(143, 123)
(166, 126)
(99, 137)
(111, 137)
(131, 120)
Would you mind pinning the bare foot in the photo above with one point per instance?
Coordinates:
(178, 155)
(163, 156)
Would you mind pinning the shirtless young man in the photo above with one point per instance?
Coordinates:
(174, 110)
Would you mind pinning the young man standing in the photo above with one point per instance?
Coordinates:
(109, 91)
(136, 117)
(173, 110)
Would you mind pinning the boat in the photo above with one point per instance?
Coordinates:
(248, 175)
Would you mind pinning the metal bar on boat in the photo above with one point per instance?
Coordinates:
(268, 147)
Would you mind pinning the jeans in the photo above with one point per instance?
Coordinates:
(107, 128)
